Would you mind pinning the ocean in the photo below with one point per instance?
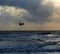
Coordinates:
(29, 42)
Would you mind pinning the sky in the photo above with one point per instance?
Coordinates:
(36, 14)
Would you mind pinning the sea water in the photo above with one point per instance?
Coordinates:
(29, 42)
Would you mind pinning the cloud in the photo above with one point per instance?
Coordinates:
(39, 10)
(36, 14)
(11, 14)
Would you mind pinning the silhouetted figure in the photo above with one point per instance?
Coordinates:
(21, 24)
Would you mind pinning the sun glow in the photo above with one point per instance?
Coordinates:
(56, 3)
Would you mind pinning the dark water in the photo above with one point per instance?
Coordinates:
(29, 42)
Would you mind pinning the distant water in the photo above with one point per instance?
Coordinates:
(29, 42)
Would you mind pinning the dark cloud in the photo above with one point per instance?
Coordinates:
(27, 4)
(37, 10)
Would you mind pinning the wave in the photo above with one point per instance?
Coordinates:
(29, 42)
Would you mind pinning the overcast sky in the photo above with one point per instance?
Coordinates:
(36, 14)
